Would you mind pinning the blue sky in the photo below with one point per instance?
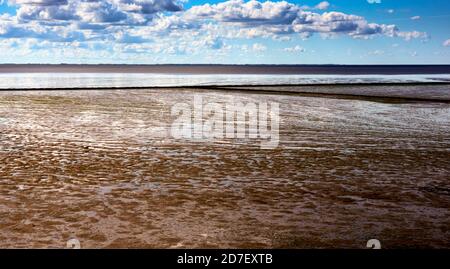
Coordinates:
(227, 32)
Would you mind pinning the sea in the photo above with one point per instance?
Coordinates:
(120, 80)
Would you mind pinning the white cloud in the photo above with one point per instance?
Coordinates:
(89, 11)
(412, 35)
(259, 47)
(446, 43)
(251, 12)
(415, 18)
(296, 48)
(376, 52)
(323, 5)
(137, 26)
(255, 47)
(38, 2)
(234, 18)
(280, 18)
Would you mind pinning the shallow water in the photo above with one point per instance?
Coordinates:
(99, 166)
(117, 80)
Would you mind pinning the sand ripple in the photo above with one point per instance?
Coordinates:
(98, 166)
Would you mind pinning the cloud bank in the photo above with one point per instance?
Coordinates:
(164, 26)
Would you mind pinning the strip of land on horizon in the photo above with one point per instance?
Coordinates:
(228, 69)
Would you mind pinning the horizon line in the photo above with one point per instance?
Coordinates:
(215, 64)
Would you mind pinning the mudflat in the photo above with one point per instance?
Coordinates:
(99, 166)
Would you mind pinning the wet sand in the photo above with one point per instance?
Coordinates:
(98, 166)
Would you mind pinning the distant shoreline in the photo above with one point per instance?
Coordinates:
(230, 69)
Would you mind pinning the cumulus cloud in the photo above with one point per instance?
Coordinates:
(163, 26)
(89, 11)
(148, 6)
(415, 18)
(249, 13)
(278, 18)
(323, 5)
(45, 12)
(234, 18)
(38, 2)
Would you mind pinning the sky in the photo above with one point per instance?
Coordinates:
(225, 32)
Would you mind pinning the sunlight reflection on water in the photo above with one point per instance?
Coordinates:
(95, 80)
